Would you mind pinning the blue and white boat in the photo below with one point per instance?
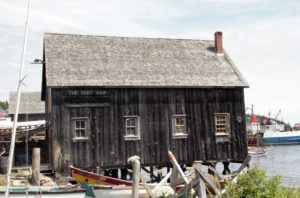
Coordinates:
(274, 133)
(277, 137)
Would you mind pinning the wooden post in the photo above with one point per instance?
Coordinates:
(136, 176)
(226, 168)
(174, 177)
(124, 173)
(36, 167)
(201, 185)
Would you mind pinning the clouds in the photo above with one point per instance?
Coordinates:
(261, 36)
(266, 52)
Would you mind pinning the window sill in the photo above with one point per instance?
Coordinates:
(80, 139)
(221, 134)
(221, 138)
(180, 136)
(132, 137)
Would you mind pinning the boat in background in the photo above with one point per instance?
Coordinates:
(274, 134)
(286, 137)
(43, 191)
(257, 152)
(269, 132)
(296, 127)
(253, 127)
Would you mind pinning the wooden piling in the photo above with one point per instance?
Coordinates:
(136, 175)
(226, 170)
(36, 166)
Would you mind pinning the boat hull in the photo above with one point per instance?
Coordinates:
(275, 138)
(117, 192)
(92, 178)
(87, 179)
(42, 191)
(48, 195)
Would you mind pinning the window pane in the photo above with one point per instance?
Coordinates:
(130, 131)
(82, 133)
(82, 124)
(132, 121)
(77, 124)
(127, 122)
(180, 129)
(77, 133)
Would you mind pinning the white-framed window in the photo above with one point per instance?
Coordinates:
(179, 126)
(222, 123)
(80, 128)
(132, 127)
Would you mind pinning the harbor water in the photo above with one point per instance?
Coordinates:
(283, 160)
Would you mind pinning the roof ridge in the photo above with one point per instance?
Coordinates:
(133, 37)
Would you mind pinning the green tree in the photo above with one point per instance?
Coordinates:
(4, 105)
(255, 184)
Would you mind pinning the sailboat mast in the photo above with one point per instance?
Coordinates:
(13, 135)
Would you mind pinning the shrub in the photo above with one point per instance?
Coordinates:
(255, 183)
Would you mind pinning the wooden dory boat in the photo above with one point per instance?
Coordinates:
(88, 179)
(83, 176)
(117, 192)
(43, 191)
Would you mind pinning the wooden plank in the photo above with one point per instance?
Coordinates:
(101, 136)
(143, 126)
(106, 137)
(215, 172)
(96, 137)
(186, 189)
(156, 127)
(205, 128)
(201, 186)
(199, 126)
(205, 178)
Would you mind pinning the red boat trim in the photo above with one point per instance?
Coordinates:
(100, 177)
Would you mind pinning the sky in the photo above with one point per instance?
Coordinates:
(262, 37)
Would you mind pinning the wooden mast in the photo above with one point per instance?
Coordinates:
(13, 135)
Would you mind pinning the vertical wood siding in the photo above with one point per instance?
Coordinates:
(107, 147)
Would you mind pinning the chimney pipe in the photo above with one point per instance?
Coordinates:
(218, 42)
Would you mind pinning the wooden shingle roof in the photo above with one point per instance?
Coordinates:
(30, 103)
(84, 60)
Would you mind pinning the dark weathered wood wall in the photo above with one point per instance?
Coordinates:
(29, 117)
(155, 106)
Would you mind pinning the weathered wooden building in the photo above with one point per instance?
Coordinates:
(108, 98)
(31, 106)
